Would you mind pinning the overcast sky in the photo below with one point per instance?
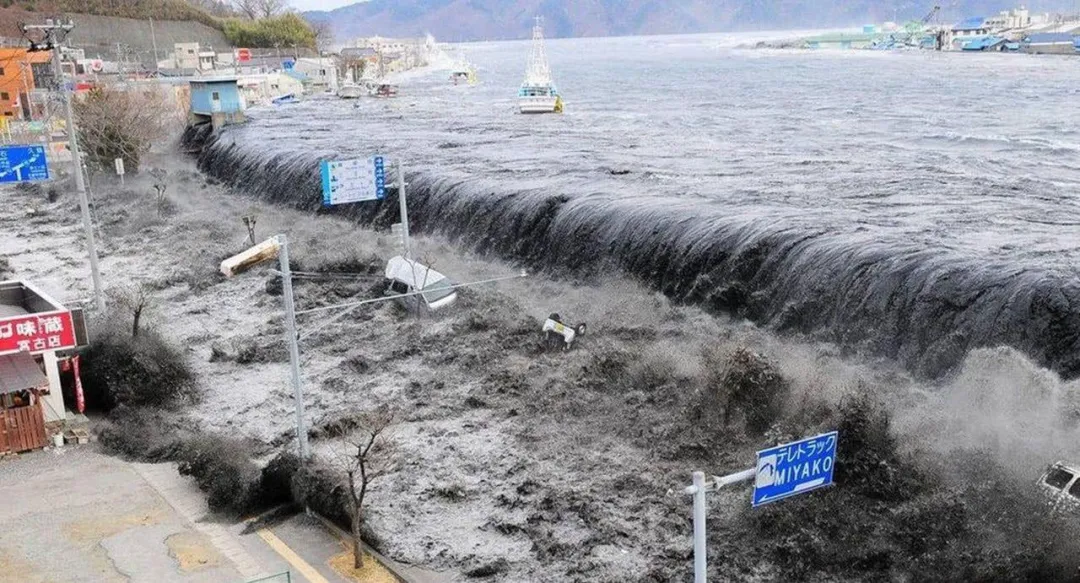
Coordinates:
(303, 5)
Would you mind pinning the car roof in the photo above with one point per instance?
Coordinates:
(1074, 468)
(412, 272)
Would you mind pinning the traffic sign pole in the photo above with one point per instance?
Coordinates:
(404, 210)
(697, 490)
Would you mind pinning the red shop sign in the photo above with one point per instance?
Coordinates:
(36, 333)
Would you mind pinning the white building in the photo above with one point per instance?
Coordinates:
(1009, 19)
(321, 71)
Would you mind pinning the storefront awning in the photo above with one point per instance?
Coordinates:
(19, 372)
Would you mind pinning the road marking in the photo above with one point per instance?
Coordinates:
(289, 555)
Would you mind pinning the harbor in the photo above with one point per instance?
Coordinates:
(1013, 31)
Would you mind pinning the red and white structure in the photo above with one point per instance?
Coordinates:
(37, 335)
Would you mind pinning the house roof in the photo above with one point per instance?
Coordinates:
(980, 43)
(1049, 38)
(973, 23)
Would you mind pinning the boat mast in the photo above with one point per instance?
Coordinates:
(538, 73)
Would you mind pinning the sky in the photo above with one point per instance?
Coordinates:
(303, 5)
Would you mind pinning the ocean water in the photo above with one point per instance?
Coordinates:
(912, 205)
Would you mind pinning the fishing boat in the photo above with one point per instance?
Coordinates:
(385, 90)
(538, 93)
(350, 91)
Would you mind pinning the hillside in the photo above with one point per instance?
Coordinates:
(139, 9)
(457, 20)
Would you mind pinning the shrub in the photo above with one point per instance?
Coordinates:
(144, 371)
(275, 481)
(5, 267)
(140, 434)
(286, 30)
(223, 469)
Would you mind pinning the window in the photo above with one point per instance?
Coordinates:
(8, 114)
(1075, 490)
(1, 71)
(216, 96)
(191, 51)
(1058, 478)
(399, 287)
(438, 290)
(4, 96)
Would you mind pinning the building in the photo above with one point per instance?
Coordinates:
(841, 41)
(965, 30)
(1009, 20)
(216, 101)
(321, 74)
(264, 87)
(984, 44)
(1055, 43)
(191, 56)
(17, 82)
(38, 336)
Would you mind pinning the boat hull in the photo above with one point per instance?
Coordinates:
(538, 104)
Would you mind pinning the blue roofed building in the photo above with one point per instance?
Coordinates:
(217, 101)
(983, 43)
(966, 29)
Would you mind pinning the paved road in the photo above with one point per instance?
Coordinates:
(75, 515)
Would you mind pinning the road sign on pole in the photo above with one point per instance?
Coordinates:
(23, 164)
(345, 181)
(794, 468)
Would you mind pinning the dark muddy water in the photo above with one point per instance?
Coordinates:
(912, 205)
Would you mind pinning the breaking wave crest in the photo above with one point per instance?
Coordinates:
(924, 307)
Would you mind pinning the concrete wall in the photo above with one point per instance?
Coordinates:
(98, 36)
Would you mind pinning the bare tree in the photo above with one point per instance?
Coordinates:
(269, 8)
(133, 299)
(122, 123)
(370, 454)
(249, 8)
(324, 35)
(161, 184)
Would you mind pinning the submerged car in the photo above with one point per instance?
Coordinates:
(406, 276)
(1061, 483)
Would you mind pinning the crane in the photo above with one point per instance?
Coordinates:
(930, 15)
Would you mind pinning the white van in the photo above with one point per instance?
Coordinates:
(1062, 485)
(408, 276)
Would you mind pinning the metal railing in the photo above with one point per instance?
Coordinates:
(283, 577)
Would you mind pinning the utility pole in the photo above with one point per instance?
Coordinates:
(54, 34)
(153, 41)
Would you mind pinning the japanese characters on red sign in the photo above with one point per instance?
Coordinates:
(36, 333)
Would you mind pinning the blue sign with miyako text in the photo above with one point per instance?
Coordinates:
(795, 468)
(23, 164)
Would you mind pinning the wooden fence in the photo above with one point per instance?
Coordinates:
(22, 429)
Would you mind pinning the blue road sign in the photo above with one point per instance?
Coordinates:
(795, 468)
(23, 164)
(345, 181)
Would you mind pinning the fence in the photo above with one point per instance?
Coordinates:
(22, 429)
(285, 577)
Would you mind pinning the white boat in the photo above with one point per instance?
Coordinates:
(350, 91)
(538, 93)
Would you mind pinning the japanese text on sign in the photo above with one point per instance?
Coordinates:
(795, 468)
(37, 333)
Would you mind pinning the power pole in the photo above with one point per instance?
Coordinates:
(153, 41)
(55, 32)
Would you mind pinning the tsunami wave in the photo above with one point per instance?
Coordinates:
(922, 307)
